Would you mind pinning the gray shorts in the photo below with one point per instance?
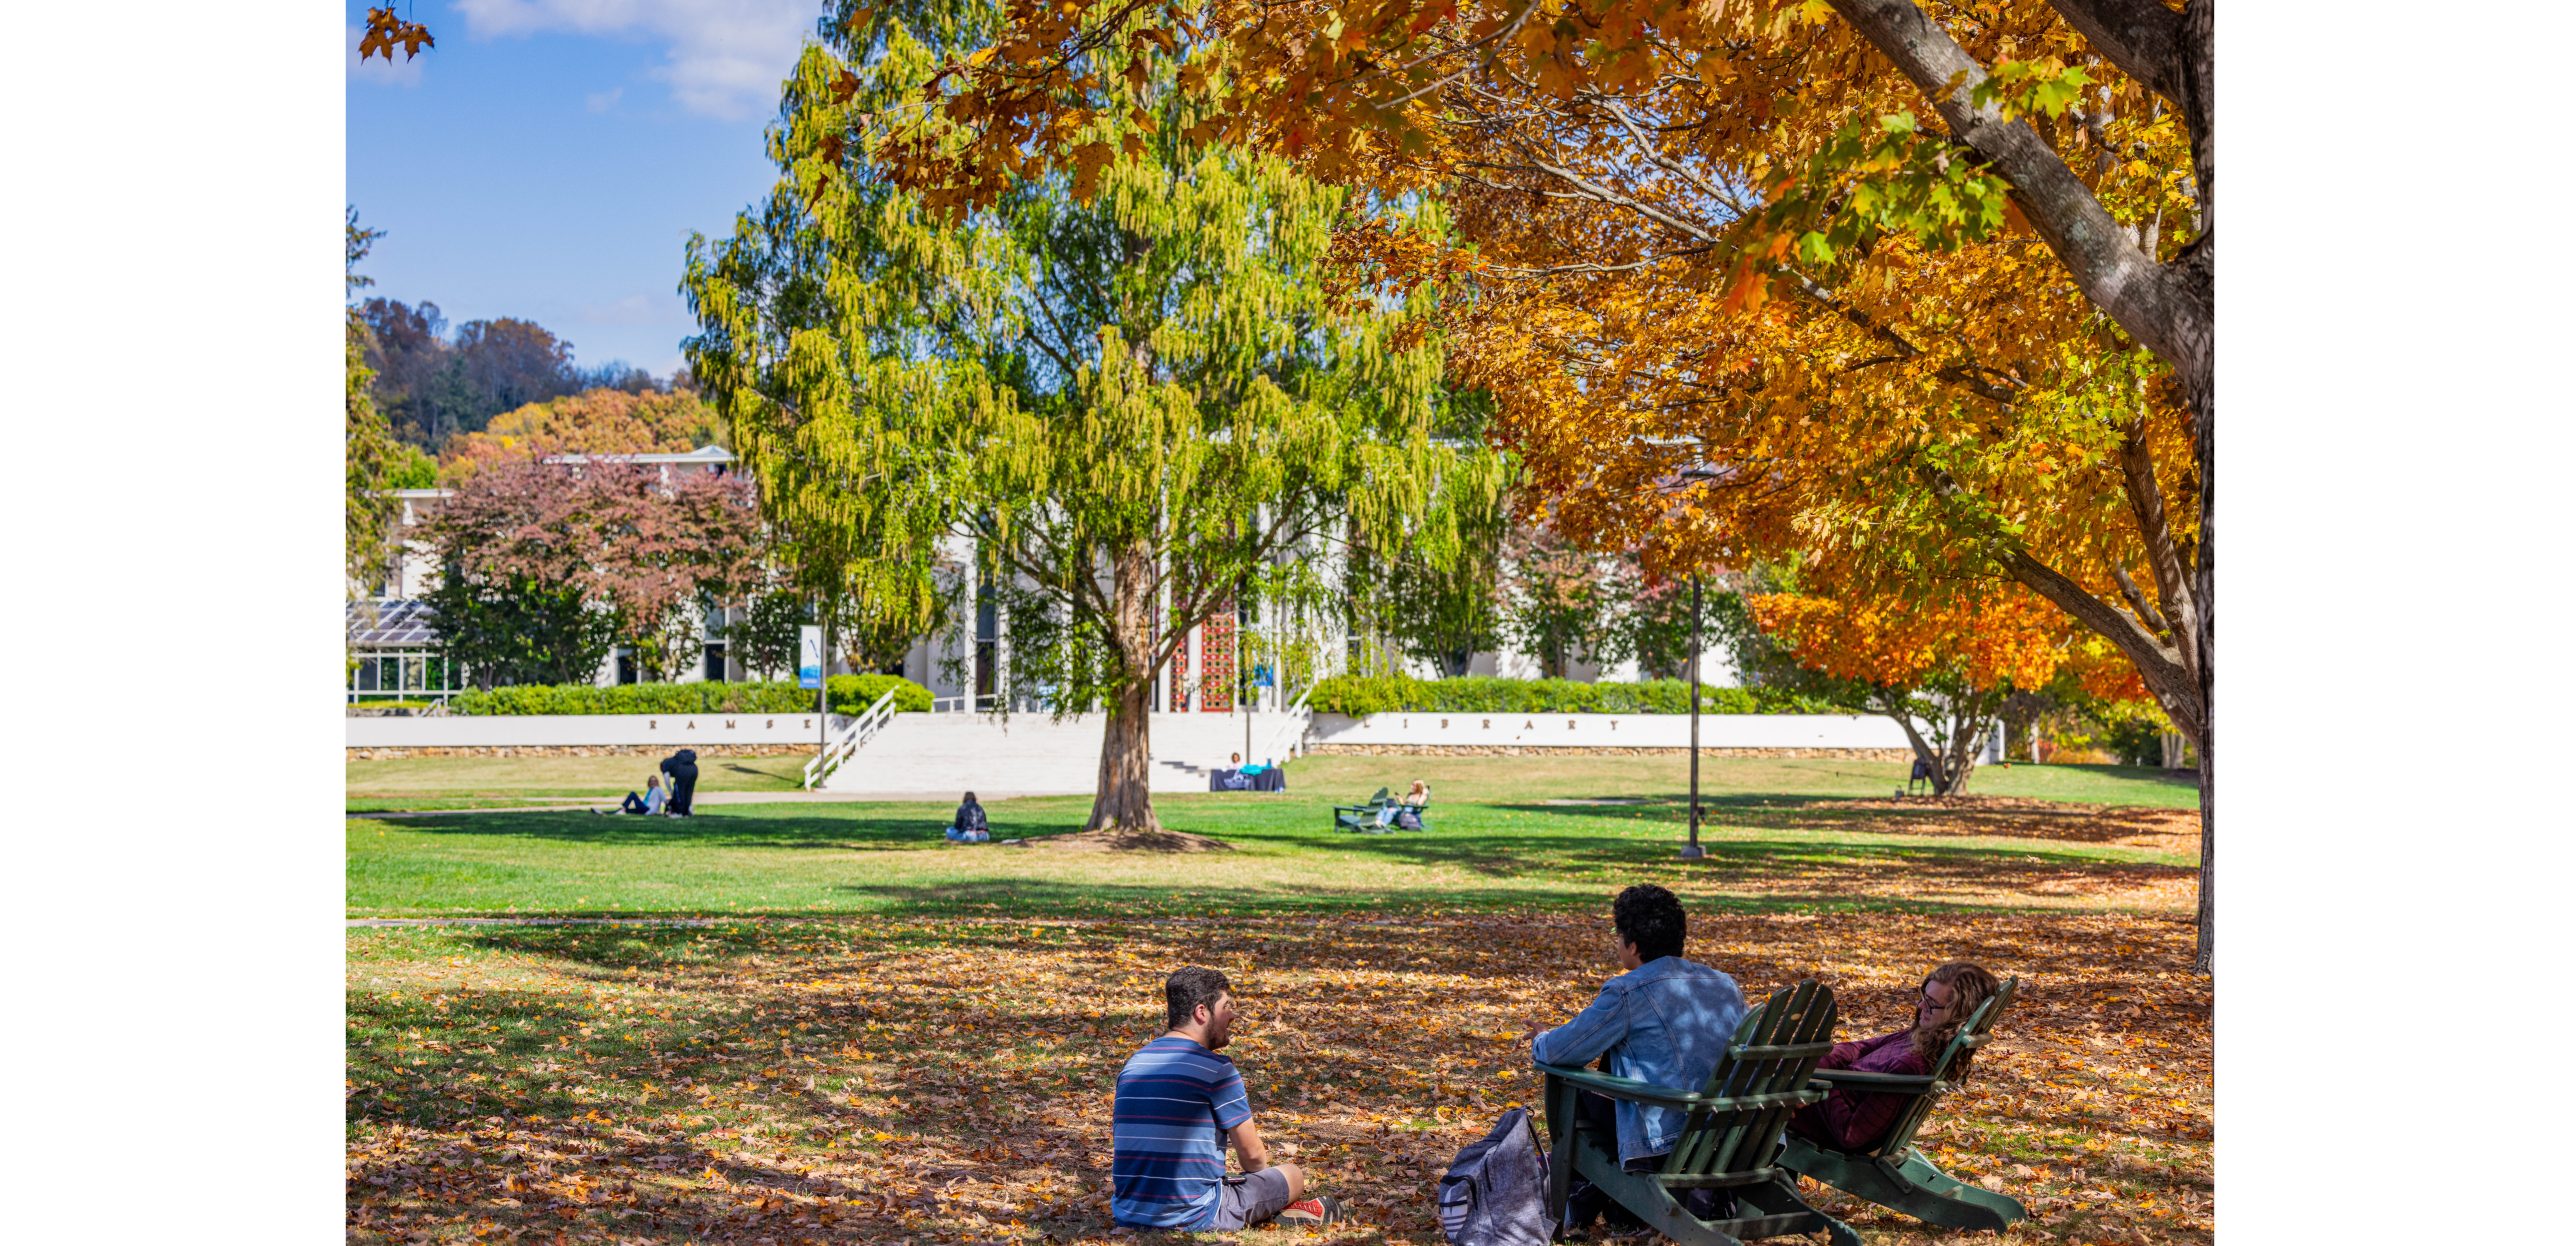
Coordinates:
(1250, 1198)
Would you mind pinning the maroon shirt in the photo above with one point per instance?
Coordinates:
(1852, 1120)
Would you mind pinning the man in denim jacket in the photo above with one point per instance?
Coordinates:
(1665, 1020)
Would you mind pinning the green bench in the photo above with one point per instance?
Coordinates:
(1890, 1172)
(1732, 1136)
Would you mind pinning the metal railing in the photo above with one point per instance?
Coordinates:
(865, 726)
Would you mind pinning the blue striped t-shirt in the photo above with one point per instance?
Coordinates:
(1170, 1113)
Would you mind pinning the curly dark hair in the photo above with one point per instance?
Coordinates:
(1651, 918)
(1188, 988)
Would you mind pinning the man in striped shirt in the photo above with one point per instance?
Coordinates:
(1177, 1105)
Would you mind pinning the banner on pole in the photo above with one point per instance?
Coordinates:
(810, 662)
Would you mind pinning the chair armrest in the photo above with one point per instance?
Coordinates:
(1878, 1083)
(1683, 1100)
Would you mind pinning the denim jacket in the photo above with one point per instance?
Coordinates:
(1667, 1022)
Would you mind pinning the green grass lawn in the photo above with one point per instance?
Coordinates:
(1523, 836)
(443, 782)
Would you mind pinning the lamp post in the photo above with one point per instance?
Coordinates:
(1697, 615)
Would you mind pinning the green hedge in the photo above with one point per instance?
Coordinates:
(1361, 695)
(846, 694)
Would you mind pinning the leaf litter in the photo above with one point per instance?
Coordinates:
(949, 1080)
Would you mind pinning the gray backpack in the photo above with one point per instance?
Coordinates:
(1496, 1190)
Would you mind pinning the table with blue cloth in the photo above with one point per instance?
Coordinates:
(1249, 779)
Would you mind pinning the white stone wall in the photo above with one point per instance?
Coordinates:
(1715, 731)
(521, 730)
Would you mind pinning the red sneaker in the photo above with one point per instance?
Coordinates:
(1308, 1213)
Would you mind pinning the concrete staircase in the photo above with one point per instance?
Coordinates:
(942, 755)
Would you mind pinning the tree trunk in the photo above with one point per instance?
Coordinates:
(1893, 708)
(1955, 765)
(1120, 797)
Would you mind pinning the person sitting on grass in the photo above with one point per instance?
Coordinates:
(1176, 1106)
(654, 802)
(1853, 1120)
(1666, 1021)
(969, 825)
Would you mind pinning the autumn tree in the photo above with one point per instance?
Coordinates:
(1130, 403)
(370, 454)
(594, 421)
(545, 568)
(1942, 670)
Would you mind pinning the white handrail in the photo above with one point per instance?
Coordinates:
(1307, 722)
(864, 727)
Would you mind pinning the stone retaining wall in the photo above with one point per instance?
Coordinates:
(580, 750)
(1544, 750)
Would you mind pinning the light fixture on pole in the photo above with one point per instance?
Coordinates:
(1697, 613)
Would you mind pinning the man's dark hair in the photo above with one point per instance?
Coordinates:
(1650, 918)
(1188, 988)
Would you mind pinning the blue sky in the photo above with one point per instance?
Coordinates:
(546, 158)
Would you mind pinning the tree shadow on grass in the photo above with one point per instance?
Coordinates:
(1959, 818)
(809, 826)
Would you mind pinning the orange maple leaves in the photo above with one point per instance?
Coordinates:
(2009, 637)
(384, 28)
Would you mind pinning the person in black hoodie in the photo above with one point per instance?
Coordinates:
(681, 773)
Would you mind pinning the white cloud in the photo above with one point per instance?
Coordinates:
(603, 101)
(399, 71)
(724, 58)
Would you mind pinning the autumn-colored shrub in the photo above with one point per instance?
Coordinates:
(1362, 695)
(845, 694)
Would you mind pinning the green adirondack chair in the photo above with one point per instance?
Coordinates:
(1731, 1139)
(1892, 1173)
(1365, 817)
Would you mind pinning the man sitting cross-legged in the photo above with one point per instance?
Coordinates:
(1177, 1104)
(1665, 1020)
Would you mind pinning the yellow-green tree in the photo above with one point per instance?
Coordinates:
(370, 451)
(1130, 401)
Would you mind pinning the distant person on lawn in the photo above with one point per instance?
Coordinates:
(969, 825)
(1666, 1021)
(1175, 1108)
(654, 802)
(1852, 1120)
(681, 772)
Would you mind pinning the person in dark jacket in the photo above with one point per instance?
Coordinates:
(969, 825)
(680, 772)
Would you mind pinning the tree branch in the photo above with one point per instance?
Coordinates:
(2158, 308)
(2141, 604)
(2140, 37)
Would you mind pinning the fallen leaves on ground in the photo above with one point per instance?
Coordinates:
(2016, 817)
(949, 1080)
